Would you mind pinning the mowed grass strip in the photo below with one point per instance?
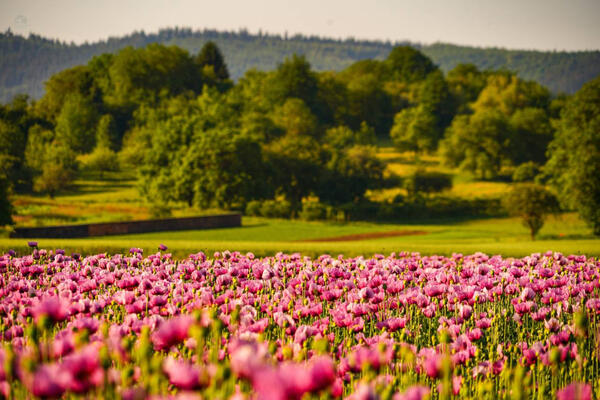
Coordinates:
(182, 248)
(506, 236)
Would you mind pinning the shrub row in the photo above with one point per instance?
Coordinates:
(401, 209)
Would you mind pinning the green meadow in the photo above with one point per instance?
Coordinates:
(506, 236)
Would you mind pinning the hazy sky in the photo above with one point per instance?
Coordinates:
(522, 24)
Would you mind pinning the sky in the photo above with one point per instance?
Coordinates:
(514, 24)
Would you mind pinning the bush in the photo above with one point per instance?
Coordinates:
(313, 211)
(427, 182)
(102, 160)
(276, 209)
(160, 210)
(253, 208)
(526, 172)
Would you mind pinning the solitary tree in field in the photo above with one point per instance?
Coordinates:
(532, 203)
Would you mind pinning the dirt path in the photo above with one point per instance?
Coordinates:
(366, 236)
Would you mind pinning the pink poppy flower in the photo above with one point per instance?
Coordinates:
(172, 332)
(55, 308)
(416, 392)
(182, 374)
(575, 391)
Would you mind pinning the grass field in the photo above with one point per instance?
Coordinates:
(115, 198)
(566, 234)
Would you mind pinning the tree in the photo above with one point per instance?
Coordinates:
(349, 173)
(297, 163)
(102, 160)
(139, 76)
(6, 208)
(340, 137)
(435, 98)
(76, 124)
(228, 169)
(506, 93)
(65, 84)
(465, 82)
(294, 78)
(210, 56)
(574, 154)
(367, 101)
(414, 130)
(16, 120)
(106, 133)
(531, 132)
(296, 118)
(58, 170)
(477, 143)
(532, 203)
(408, 64)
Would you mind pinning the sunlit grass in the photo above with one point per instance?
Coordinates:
(506, 236)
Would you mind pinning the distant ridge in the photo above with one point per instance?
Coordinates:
(26, 63)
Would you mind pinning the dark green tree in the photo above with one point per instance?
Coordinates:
(477, 143)
(531, 132)
(348, 175)
(6, 208)
(465, 82)
(210, 56)
(73, 82)
(144, 76)
(296, 163)
(407, 64)
(294, 78)
(76, 124)
(15, 121)
(574, 154)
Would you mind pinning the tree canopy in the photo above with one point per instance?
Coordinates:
(574, 154)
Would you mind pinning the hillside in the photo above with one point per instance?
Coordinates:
(26, 63)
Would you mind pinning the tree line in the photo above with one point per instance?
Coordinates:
(194, 136)
(26, 63)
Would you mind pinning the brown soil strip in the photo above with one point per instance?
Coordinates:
(366, 236)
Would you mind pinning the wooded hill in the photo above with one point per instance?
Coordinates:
(26, 63)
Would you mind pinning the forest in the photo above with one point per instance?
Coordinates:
(26, 63)
(295, 142)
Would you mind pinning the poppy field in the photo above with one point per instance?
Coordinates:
(235, 326)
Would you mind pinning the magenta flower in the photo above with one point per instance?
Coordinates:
(416, 392)
(48, 381)
(575, 391)
(363, 392)
(322, 373)
(172, 332)
(55, 308)
(182, 375)
(83, 370)
(433, 365)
